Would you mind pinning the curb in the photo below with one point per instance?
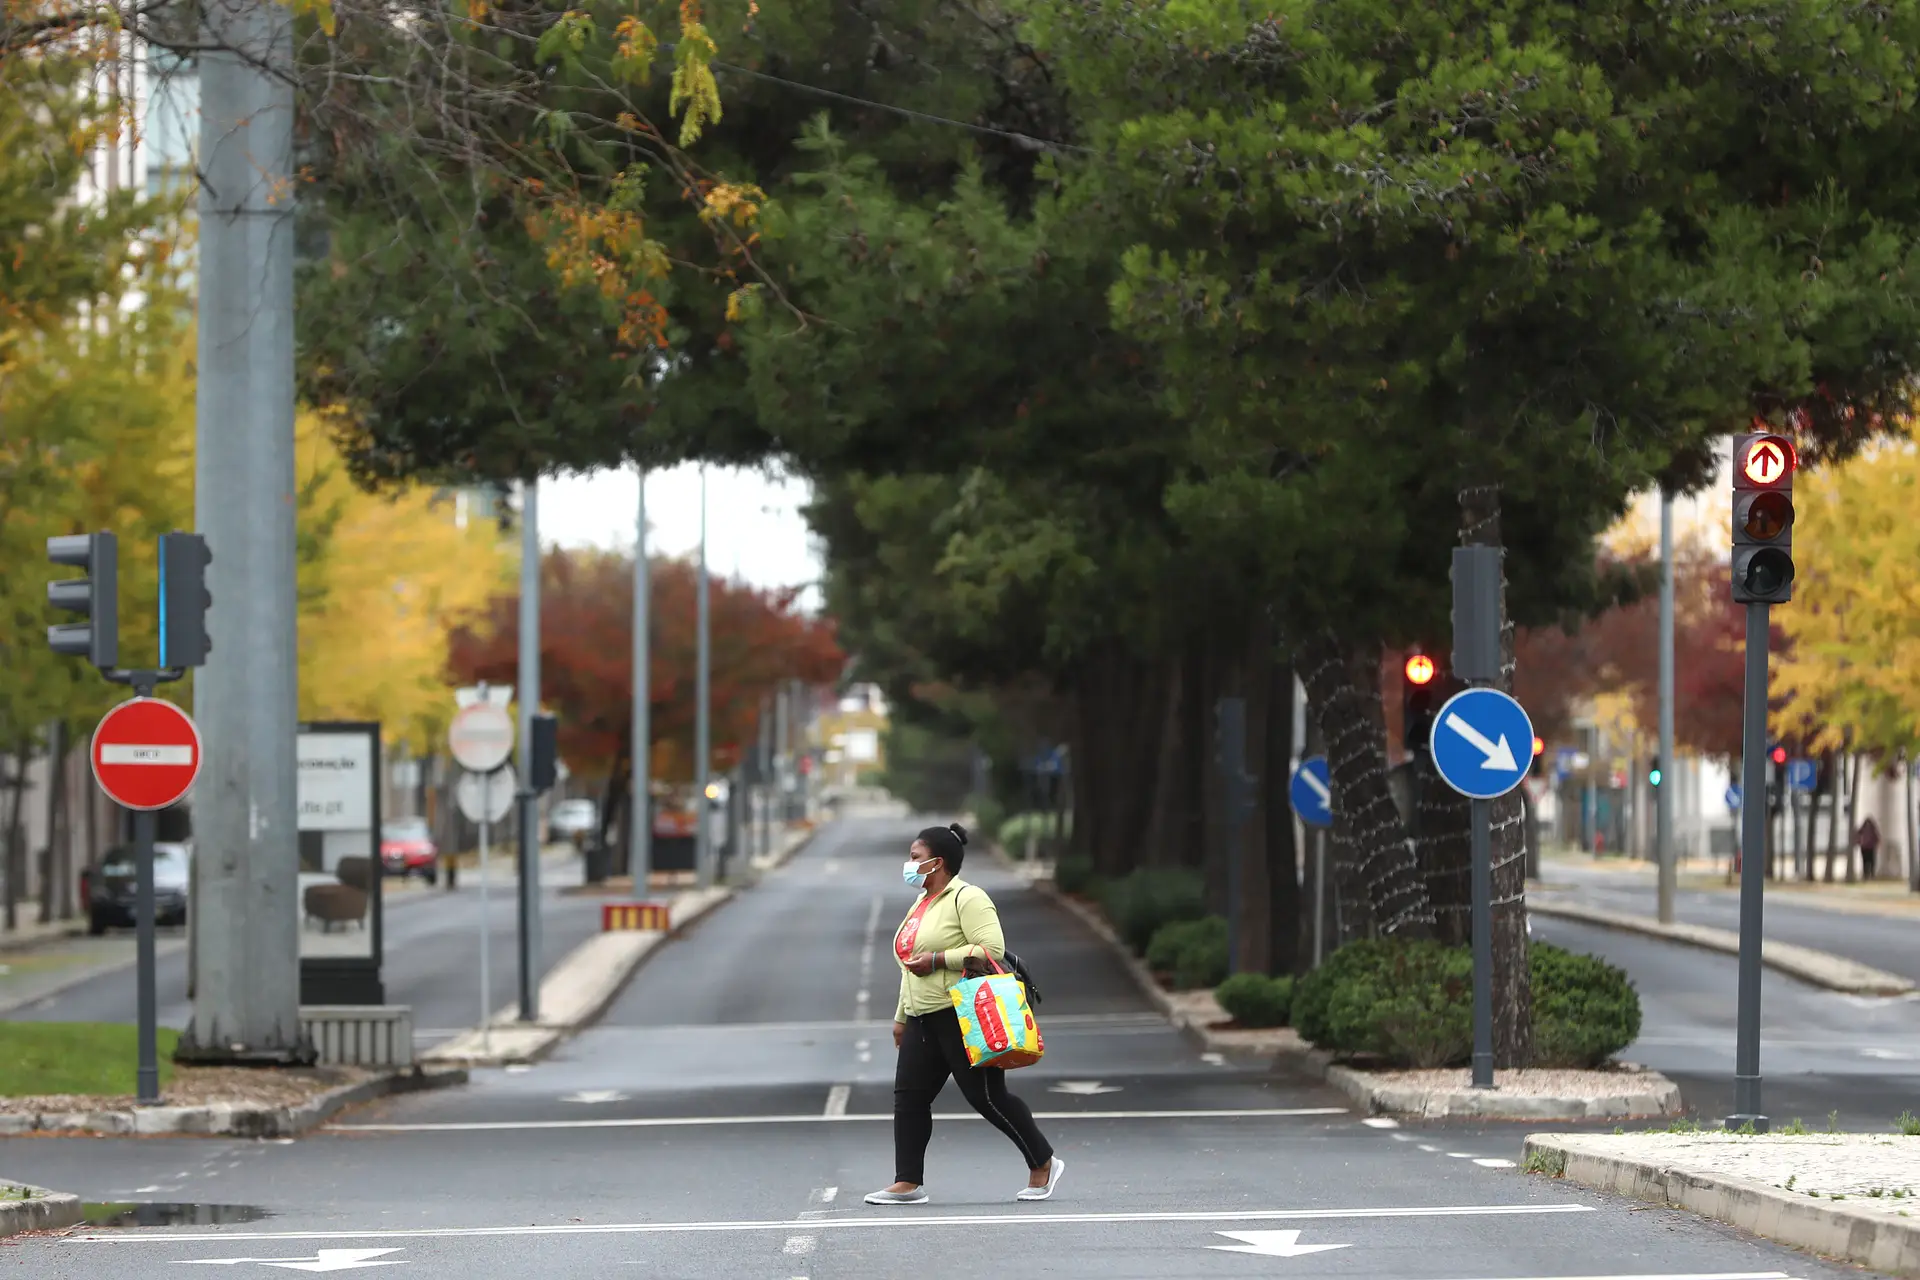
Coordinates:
(1367, 1095)
(611, 960)
(781, 858)
(1823, 1227)
(44, 1210)
(1830, 972)
(228, 1120)
(1373, 1098)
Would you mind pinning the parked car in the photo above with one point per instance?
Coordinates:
(573, 819)
(110, 890)
(407, 849)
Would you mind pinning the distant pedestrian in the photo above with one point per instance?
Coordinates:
(1869, 841)
(951, 923)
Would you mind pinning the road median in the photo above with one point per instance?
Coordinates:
(1845, 1196)
(1818, 968)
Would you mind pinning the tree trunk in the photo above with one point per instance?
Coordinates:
(1512, 985)
(1282, 857)
(1913, 855)
(1165, 832)
(16, 835)
(1256, 897)
(69, 786)
(1380, 884)
(1830, 776)
(1853, 815)
(56, 797)
(1443, 819)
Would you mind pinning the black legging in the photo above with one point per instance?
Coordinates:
(931, 1049)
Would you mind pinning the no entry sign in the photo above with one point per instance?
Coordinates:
(146, 753)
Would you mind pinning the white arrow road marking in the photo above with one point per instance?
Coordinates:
(1318, 787)
(1499, 754)
(1271, 1244)
(592, 1096)
(1084, 1088)
(324, 1260)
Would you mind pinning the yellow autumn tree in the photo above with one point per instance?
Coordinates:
(383, 577)
(1851, 678)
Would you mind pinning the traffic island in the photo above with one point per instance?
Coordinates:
(26, 1208)
(1850, 1196)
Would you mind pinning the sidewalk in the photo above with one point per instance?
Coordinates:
(1848, 1196)
(1889, 898)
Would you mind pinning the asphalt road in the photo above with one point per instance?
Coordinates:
(432, 944)
(1885, 942)
(726, 1117)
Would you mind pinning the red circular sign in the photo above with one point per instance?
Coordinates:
(146, 753)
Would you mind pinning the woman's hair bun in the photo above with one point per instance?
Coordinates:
(959, 832)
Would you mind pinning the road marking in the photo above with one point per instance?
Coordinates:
(1213, 1059)
(672, 1122)
(595, 1096)
(865, 1056)
(1271, 1244)
(1430, 1150)
(1692, 1275)
(1459, 1155)
(1494, 1162)
(322, 1260)
(799, 1245)
(881, 1222)
(825, 1195)
(873, 1027)
(837, 1102)
(1380, 1122)
(1084, 1088)
(864, 997)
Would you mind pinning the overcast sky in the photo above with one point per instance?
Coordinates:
(754, 527)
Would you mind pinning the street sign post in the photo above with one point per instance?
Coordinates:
(146, 755)
(486, 798)
(1312, 795)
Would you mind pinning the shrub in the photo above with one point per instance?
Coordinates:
(1139, 903)
(1256, 1000)
(1410, 1002)
(1192, 952)
(1043, 826)
(1584, 1009)
(989, 816)
(1074, 874)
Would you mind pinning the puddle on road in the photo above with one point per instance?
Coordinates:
(166, 1214)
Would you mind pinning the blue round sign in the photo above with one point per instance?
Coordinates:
(1482, 743)
(1733, 798)
(1311, 793)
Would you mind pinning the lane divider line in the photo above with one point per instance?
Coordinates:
(837, 1102)
(673, 1122)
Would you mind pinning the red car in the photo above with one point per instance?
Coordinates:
(407, 849)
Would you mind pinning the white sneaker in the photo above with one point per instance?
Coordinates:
(916, 1196)
(1053, 1180)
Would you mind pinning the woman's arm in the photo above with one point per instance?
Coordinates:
(980, 926)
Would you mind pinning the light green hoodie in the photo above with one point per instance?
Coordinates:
(961, 922)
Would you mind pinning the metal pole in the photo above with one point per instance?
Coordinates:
(1753, 872)
(703, 827)
(247, 955)
(640, 849)
(149, 1072)
(1663, 794)
(1319, 894)
(486, 925)
(1482, 945)
(529, 705)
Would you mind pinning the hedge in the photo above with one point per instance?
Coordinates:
(1256, 1000)
(1192, 952)
(1139, 903)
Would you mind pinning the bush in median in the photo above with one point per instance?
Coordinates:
(1584, 1009)
(1140, 902)
(1256, 1000)
(1075, 874)
(1192, 952)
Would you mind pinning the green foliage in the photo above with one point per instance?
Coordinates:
(1410, 1002)
(1256, 999)
(75, 1059)
(1074, 874)
(1044, 827)
(1584, 1009)
(989, 816)
(1193, 953)
(1139, 903)
(1908, 1124)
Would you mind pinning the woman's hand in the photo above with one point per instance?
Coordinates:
(899, 1029)
(920, 965)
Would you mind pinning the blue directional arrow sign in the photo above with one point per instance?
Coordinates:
(1801, 775)
(1311, 793)
(1482, 743)
(1733, 798)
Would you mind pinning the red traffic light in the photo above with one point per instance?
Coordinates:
(1767, 460)
(1539, 744)
(1419, 669)
(1779, 755)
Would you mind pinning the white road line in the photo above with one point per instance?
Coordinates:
(1694, 1275)
(871, 1026)
(1493, 1162)
(884, 1222)
(1380, 1122)
(799, 1245)
(825, 1195)
(1430, 1150)
(676, 1122)
(837, 1102)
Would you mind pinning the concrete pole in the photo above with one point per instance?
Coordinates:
(529, 698)
(640, 851)
(246, 1000)
(702, 729)
(1663, 794)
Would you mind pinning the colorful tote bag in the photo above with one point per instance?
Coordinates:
(996, 1021)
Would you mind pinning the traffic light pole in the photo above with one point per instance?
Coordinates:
(529, 799)
(1663, 794)
(1753, 863)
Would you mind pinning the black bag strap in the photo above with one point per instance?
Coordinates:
(1014, 964)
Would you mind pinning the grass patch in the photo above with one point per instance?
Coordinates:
(100, 1059)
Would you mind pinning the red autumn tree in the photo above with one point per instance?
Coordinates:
(759, 638)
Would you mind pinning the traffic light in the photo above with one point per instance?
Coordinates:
(1654, 773)
(96, 597)
(1778, 756)
(1538, 766)
(544, 762)
(1763, 466)
(1419, 699)
(184, 600)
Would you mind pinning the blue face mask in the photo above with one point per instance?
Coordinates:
(915, 879)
